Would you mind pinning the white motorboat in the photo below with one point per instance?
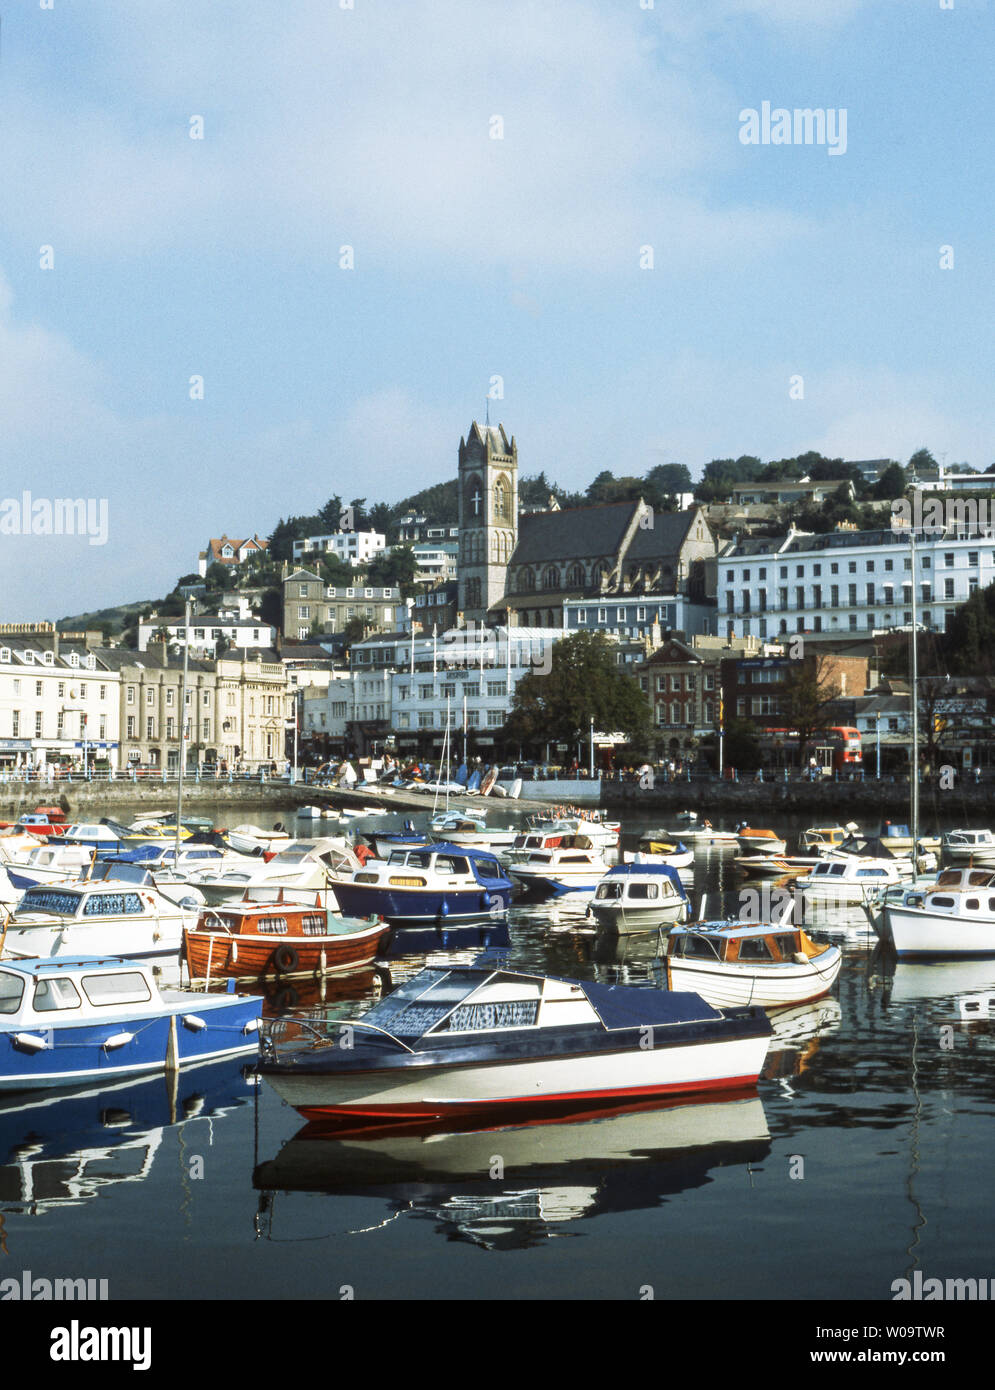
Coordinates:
(702, 836)
(735, 964)
(306, 864)
(819, 839)
(969, 846)
(955, 918)
(574, 867)
(473, 832)
(472, 1040)
(638, 898)
(848, 881)
(753, 841)
(250, 839)
(48, 863)
(124, 918)
(602, 833)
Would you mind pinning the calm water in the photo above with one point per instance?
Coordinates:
(865, 1154)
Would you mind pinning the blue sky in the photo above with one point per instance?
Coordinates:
(474, 257)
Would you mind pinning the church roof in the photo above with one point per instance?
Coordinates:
(665, 537)
(500, 442)
(574, 533)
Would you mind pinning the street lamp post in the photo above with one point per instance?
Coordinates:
(877, 723)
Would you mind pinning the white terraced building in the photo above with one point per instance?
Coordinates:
(848, 581)
(56, 707)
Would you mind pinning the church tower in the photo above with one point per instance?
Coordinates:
(488, 517)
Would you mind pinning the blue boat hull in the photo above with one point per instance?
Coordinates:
(79, 1054)
(399, 906)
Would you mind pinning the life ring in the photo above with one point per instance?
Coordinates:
(285, 959)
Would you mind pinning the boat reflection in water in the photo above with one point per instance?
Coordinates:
(966, 987)
(797, 1033)
(65, 1148)
(514, 1186)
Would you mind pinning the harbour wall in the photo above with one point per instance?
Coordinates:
(830, 801)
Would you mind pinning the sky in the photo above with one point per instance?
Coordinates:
(395, 207)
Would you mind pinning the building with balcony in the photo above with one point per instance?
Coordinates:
(848, 581)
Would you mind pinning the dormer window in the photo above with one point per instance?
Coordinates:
(49, 658)
(4, 653)
(74, 659)
(27, 657)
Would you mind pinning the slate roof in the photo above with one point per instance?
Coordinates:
(574, 533)
(664, 538)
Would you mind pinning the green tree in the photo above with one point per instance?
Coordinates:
(669, 478)
(920, 460)
(583, 682)
(891, 484)
(968, 643)
(806, 700)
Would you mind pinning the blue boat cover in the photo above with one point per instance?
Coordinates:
(630, 1006)
(663, 870)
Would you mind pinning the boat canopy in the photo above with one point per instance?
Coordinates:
(422, 1003)
(647, 870)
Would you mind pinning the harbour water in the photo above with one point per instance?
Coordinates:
(862, 1158)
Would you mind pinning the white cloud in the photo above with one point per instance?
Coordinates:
(372, 127)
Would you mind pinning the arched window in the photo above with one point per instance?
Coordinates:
(551, 578)
(502, 500)
(527, 581)
(575, 579)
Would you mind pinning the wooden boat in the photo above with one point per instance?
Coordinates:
(474, 1040)
(75, 1019)
(753, 841)
(736, 964)
(247, 940)
(638, 898)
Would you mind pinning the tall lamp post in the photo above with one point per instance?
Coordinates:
(877, 724)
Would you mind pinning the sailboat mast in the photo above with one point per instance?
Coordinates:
(914, 664)
(183, 731)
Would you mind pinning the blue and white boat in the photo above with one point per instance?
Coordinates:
(434, 883)
(66, 1021)
(475, 1039)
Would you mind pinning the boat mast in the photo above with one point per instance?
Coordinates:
(183, 731)
(914, 663)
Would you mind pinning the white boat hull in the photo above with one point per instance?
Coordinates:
(917, 932)
(443, 1090)
(771, 987)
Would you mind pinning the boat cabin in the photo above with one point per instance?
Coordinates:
(747, 945)
(33, 991)
(413, 868)
(640, 884)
